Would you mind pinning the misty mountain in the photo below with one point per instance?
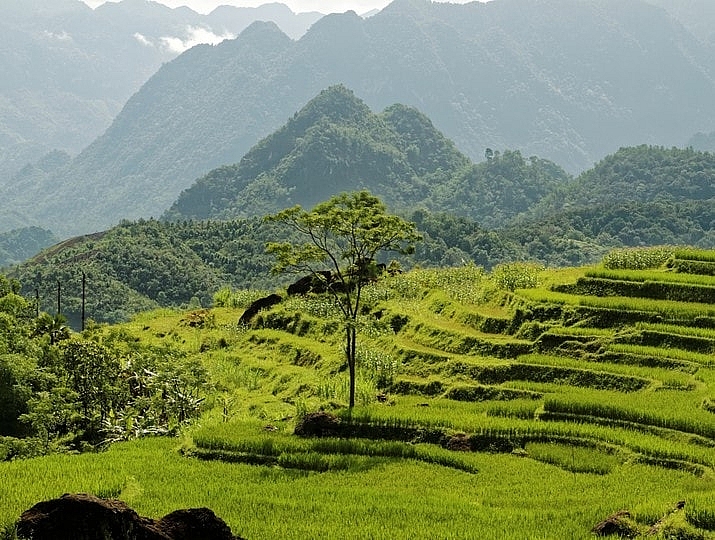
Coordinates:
(68, 69)
(21, 244)
(568, 80)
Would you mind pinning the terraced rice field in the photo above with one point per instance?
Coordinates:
(481, 413)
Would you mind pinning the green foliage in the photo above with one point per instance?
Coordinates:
(637, 258)
(344, 234)
(517, 275)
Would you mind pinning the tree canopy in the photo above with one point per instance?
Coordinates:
(341, 239)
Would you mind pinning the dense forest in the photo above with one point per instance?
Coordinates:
(666, 199)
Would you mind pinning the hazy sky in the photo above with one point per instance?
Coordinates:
(298, 6)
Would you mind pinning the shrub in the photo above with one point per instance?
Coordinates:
(638, 258)
(517, 275)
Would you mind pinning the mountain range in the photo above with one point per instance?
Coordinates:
(502, 209)
(568, 81)
(68, 70)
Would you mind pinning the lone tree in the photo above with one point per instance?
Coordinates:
(343, 234)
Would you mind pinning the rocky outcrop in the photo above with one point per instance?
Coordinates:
(258, 305)
(86, 517)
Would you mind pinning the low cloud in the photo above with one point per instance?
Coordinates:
(61, 36)
(195, 35)
(143, 40)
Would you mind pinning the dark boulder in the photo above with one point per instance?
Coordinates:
(258, 305)
(86, 517)
(318, 424)
(194, 524)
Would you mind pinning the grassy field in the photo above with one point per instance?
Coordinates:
(481, 413)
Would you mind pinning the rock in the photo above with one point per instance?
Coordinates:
(195, 524)
(86, 517)
(318, 424)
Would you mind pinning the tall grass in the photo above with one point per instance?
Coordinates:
(642, 276)
(691, 254)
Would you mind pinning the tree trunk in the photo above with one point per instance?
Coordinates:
(350, 353)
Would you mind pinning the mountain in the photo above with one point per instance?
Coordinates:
(68, 69)
(332, 145)
(21, 244)
(569, 81)
(335, 144)
(644, 195)
(637, 196)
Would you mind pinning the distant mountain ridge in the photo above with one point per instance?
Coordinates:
(334, 144)
(68, 69)
(569, 81)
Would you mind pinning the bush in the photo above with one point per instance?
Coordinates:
(517, 275)
(638, 258)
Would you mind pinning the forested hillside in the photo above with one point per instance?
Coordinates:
(567, 81)
(643, 195)
(335, 144)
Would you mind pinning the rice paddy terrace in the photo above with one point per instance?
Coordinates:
(482, 412)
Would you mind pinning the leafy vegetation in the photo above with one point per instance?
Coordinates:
(468, 389)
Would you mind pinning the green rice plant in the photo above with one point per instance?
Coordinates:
(574, 458)
(488, 393)
(663, 352)
(669, 309)
(692, 254)
(691, 422)
(656, 276)
(521, 431)
(596, 363)
(704, 268)
(550, 373)
(700, 512)
(638, 258)
(677, 329)
(524, 409)
(581, 331)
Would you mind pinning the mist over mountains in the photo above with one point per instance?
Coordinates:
(568, 81)
(68, 70)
